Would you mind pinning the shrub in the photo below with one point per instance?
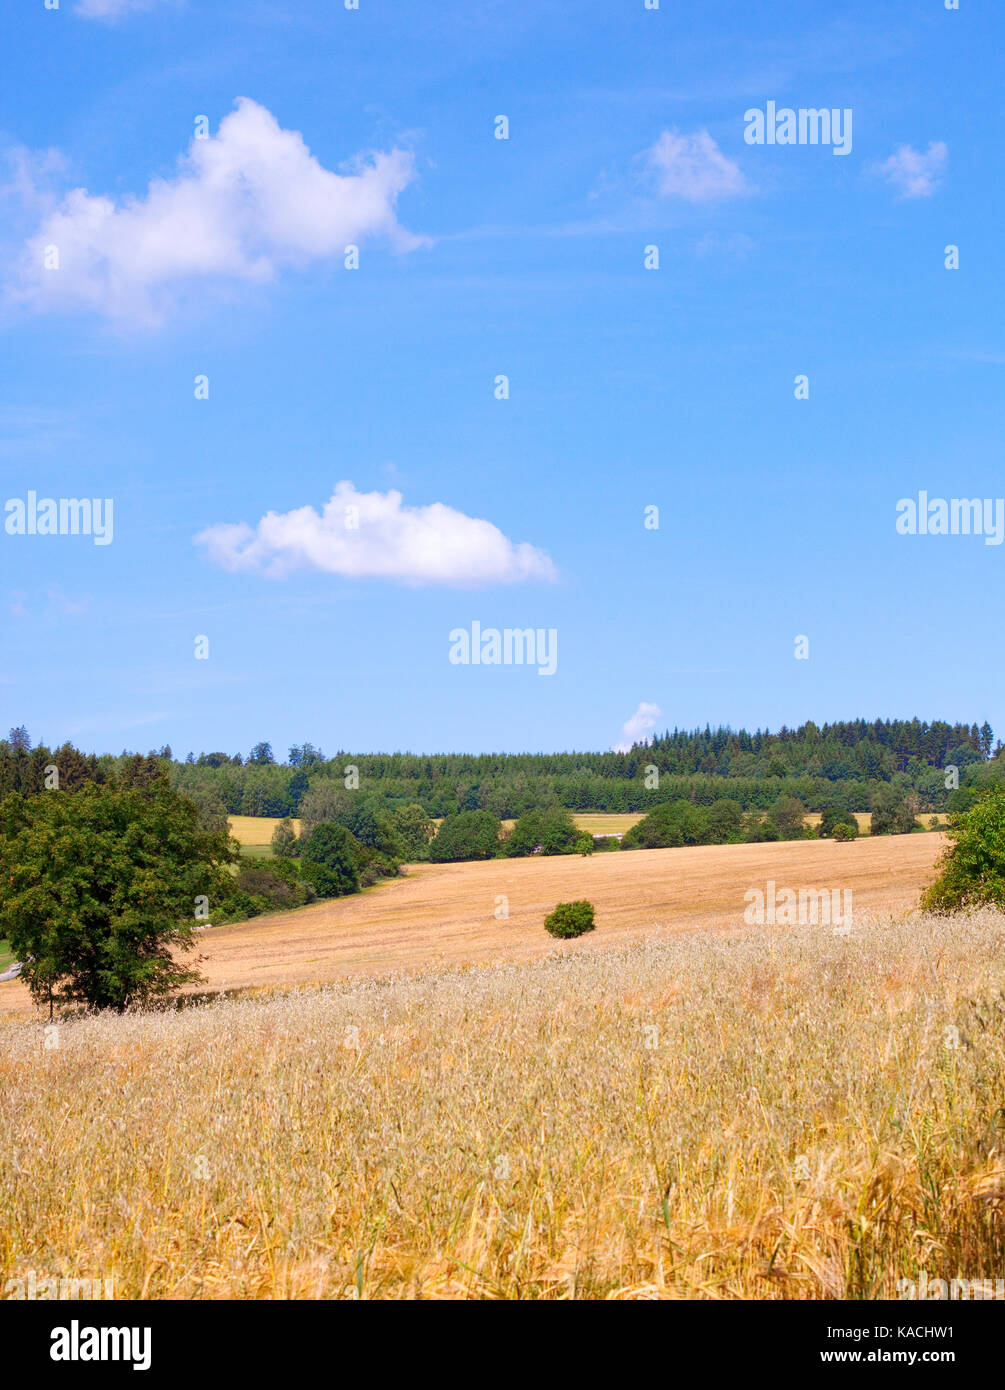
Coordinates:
(845, 830)
(584, 845)
(973, 867)
(275, 883)
(372, 866)
(240, 906)
(570, 919)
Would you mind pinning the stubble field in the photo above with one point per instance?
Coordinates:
(443, 914)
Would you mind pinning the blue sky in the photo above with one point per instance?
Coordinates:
(479, 257)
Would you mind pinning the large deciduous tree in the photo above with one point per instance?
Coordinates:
(330, 861)
(101, 888)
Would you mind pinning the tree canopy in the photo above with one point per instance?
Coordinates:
(972, 869)
(101, 889)
(468, 835)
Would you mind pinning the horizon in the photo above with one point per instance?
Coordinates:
(652, 737)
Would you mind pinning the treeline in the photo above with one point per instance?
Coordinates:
(832, 766)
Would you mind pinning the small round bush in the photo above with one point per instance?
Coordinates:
(570, 919)
(845, 830)
(584, 845)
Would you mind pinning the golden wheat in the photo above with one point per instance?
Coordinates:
(782, 1114)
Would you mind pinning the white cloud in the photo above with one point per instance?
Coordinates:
(916, 175)
(694, 168)
(111, 9)
(412, 545)
(244, 203)
(635, 730)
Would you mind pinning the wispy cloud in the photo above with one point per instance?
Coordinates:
(635, 729)
(112, 9)
(57, 602)
(736, 244)
(913, 174)
(693, 167)
(34, 430)
(63, 604)
(372, 535)
(244, 203)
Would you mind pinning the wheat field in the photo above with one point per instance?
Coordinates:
(786, 1113)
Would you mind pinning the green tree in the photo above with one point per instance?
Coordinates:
(553, 829)
(725, 818)
(209, 803)
(305, 755)
(788, 816)
(845, 830)
(759, 828)
(972, 869)
(327, 800)
(329, 861)
(962, 799)
(467, 835)
(893, 810)
(670, 826)
(100, 890)
(284, 840)
(832, 817)
(584, 845)
(415, 830)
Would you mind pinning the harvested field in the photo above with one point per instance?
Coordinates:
(444, 913)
